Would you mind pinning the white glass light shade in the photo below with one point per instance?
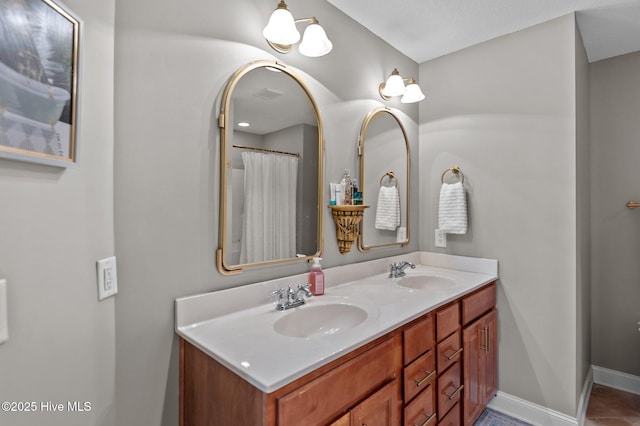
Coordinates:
(315, 42)
(394, 85)
(281, 28)
(412, 93)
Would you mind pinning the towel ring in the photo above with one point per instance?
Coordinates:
(456, 171)
(392, 177)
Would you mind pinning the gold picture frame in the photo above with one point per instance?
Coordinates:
(38, 82)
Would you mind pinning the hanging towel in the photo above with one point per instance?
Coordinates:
(452, 213)
(388, 209)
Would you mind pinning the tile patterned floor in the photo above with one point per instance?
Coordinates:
(612, 407)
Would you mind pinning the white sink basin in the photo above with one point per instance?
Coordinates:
(320, 320)
(426, 282)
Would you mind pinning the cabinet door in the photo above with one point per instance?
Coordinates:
(473, 395)
(380, 409)
(333, 393)
(480, 365)
(489, 359)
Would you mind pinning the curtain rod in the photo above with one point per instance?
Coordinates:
(294, 154)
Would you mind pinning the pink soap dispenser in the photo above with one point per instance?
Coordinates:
(316, 277)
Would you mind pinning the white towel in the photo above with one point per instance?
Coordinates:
(388, 208)
(452, 213)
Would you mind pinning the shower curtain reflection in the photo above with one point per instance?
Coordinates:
(269, 223)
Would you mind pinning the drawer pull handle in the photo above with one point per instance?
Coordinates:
(453, 355)
(488, 338)
(429, 418)
(428, 376)
(484, 345)
(455, 392)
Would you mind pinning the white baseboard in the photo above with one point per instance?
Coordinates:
(584, 397)
(616, 379)
(539, 415)
(530, 412)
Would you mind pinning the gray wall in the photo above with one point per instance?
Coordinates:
(583, 217)
(505, 112)
(172, 61)
(55, 224)
(615, 108)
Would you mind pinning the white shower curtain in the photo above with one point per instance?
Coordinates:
(269, 225)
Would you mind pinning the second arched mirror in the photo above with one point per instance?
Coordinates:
(271, 148)
(383, 147)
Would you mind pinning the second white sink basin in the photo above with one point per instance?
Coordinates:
(426, 282)
(319, 320)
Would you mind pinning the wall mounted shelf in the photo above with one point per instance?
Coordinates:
(347, 219)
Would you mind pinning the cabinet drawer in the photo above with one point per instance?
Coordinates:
(449, 389)
(419, 375)
(422, 410)
(452, 418)
(475, 305)
(418, 339)
(447, 321)
(320, 400)
(449, 351)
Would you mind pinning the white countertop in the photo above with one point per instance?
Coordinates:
(236, 326)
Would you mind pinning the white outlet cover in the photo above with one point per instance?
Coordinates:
(441, 238)
(4, 326)
(107, 277)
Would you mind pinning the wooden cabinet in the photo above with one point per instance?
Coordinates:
(318, 402)
(479, 340)
(439, 368)
(449, 353)
(419, 374)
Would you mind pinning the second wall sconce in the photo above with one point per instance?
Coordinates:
(394, 86)
(281, 33)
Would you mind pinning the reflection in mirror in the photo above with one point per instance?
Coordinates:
(384, 180)
(270, 169)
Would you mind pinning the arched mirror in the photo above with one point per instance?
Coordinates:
(271, 149)
(383, 147)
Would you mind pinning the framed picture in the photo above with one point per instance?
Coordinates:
(38, 82)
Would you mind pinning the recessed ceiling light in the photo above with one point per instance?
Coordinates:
(244, 124)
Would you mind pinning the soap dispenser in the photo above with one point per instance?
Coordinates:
(316, 277)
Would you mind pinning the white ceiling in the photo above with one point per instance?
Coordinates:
(427, 29)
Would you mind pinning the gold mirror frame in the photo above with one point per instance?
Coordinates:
(225, 126)
(361, 142)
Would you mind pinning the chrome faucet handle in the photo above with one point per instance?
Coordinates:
(281, 293)
(393, 267)
(282, 298)
(306, 289)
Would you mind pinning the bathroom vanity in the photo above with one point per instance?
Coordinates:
(414, 350)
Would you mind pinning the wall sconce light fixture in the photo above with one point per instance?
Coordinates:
(281, 33)
(394, 86)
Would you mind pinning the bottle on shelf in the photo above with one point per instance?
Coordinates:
(348, 188)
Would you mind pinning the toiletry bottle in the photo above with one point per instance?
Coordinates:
(346, 181)
(356, 195)
(316, 277)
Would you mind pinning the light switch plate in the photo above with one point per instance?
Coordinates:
(107, 277)
(4, 317)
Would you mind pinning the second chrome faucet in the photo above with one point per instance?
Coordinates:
(396, 269)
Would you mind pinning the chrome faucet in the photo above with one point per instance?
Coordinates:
(291, 297)
(396, 269)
